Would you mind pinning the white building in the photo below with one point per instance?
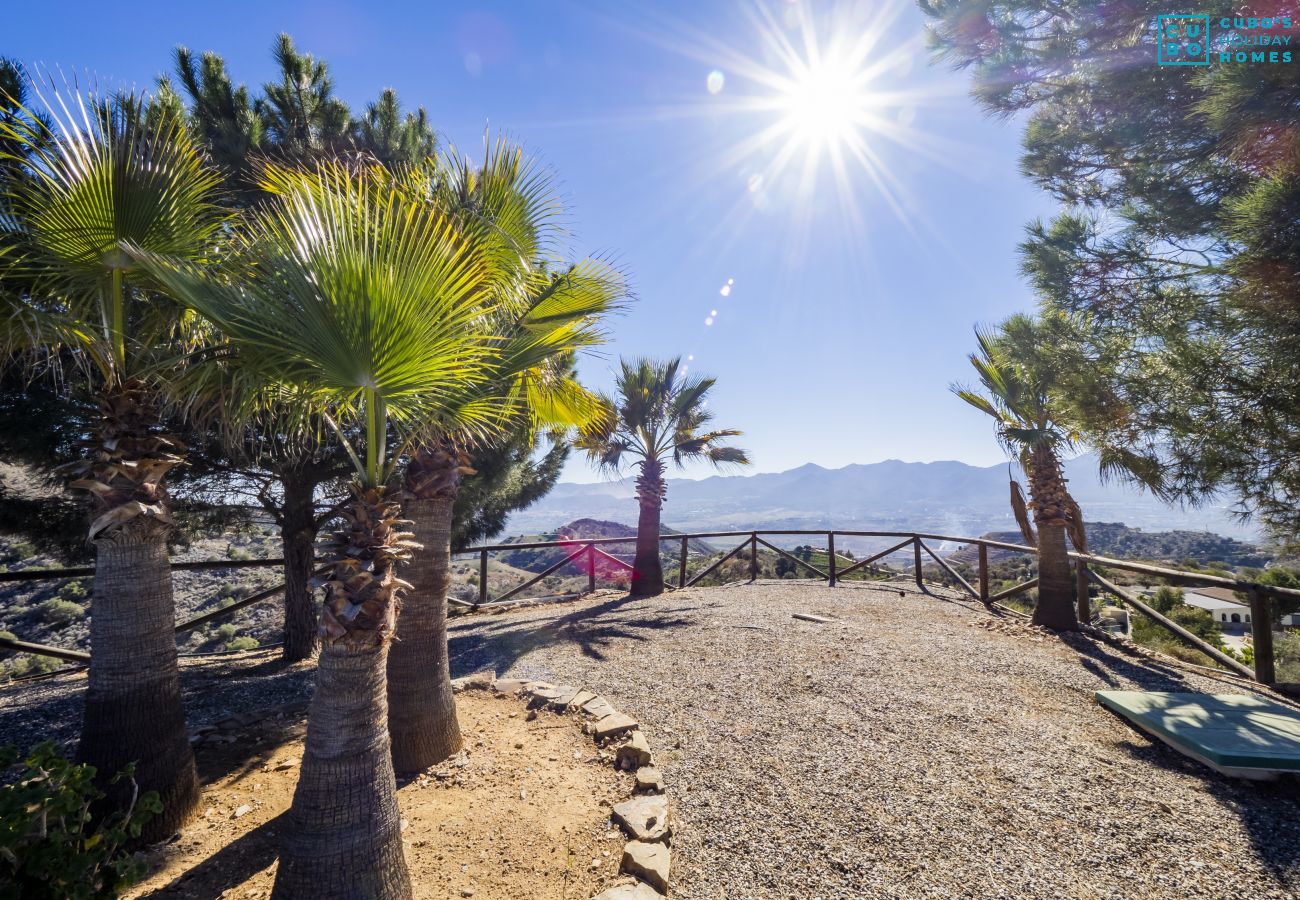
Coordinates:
(1221, 603)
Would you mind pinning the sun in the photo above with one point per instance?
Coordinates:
(824, 104)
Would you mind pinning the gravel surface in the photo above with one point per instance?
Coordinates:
(917, 747)
(906, 752)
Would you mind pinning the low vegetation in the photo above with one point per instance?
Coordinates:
(52, 846)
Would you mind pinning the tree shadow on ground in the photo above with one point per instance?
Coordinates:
(1261, 806)
(473, 646)
(1266, 808)
(1114, 667)
(230, 866)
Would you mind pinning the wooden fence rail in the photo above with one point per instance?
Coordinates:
(591, 550)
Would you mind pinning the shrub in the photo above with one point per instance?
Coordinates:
(48, 847)
(242, 643)
(17, 551)
(59, 613)
(75, 590)
(25, 664)
(1167, 598)
(226, 632)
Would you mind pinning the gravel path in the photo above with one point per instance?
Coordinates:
(907, 750)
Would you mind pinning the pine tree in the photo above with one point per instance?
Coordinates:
(1178, 231)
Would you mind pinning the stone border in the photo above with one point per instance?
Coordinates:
(644, 817)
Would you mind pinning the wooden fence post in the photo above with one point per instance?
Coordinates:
(916, 561)
(1081, 582)
(681, 566)
(591, 568)
(830, 546)
(753, 556)
(1261, 629)
(984, 573)
(482, 578)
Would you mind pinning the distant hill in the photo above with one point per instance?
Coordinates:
(536, 560)
(1118, 540)
(942, 497)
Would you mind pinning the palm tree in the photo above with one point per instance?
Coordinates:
(370, 303)
(297, 119)
(1040, 386)
(84, 176)
(1020, 401)
(660, 415)
(539, 319)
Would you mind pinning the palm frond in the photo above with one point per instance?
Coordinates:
(90, 173)
(357, 295)
(1021, 511)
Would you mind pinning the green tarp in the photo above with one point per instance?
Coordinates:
(1236, 731)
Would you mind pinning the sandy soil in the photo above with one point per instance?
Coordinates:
(523, 812)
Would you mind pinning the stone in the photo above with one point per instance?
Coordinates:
(635, 753)
(579, 700)
(645, 817)
(507, 686)
(478, 681)
(556, 697)
(649, 780)
(649, 862)
(598, 708)
(612, 725)
(638, 891)
(532, 687)
(241, 811)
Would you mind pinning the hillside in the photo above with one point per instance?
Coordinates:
(1119, 540)
(944, 497)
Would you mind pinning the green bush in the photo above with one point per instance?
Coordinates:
(1286, 656)
(241, 643)
(75, 590)
(59, 613)
(1167, 598)
(226, 632)
(48, 846)
(24, 664)
(17, 551)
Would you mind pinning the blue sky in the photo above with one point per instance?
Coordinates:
(851, 299)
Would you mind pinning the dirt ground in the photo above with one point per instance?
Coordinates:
(523, 811)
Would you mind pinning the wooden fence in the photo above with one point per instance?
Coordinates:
(589, 552)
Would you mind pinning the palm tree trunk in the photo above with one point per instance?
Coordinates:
(297, 540)
(1055, 607)
(344, 834)
(647, 568)
(133, 710)
(421, 706)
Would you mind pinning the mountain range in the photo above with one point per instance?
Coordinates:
(944, 497)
